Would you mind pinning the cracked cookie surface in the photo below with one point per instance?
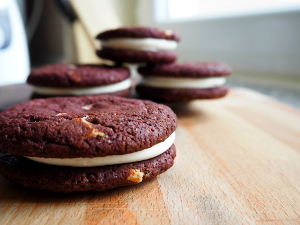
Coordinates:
(75, 75)
(87, 126)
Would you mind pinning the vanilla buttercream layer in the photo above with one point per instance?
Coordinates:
(103, 89)
(112, 159)
(142, 44)
(187, 83)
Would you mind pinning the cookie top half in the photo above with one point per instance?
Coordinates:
(139, 32)
(76, 75)
(190, 69)
(87, 126)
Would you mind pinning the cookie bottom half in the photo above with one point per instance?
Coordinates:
(176, 94)
(135, 56)
(28, 173)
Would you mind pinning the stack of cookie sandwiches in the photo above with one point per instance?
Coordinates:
(76, 80)
(98, 142)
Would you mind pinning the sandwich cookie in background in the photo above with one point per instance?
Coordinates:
(138, 45)
(98, 142)
(76, 80)
(183, 81)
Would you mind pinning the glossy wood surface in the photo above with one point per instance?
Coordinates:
(238, 162)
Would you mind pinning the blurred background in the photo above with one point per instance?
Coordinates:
(259, 39)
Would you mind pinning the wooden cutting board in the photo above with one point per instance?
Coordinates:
(238, 163)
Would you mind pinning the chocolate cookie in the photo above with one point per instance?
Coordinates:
(183, 81)
(139, 32)
(74, 79)
(86, 126)
(137, 56)
(180, 95)
(138, 44)
(87, 131)
(28, 173)
(188, 70)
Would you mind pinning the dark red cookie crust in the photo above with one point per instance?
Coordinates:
(86, 126)
(176, 95)
(139, 32)
(191, 69)
(35, 175)
(74, 75)
(137, 56)
(123, 93)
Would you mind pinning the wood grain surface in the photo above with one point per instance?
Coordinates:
(238, 163)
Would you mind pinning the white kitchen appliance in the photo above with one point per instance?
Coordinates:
(14, 58)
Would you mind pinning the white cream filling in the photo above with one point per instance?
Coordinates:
(189, 83)
(112, 159)
(104, 89)
(144, 44)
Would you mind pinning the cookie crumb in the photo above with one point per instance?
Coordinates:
(84, 118)
(74, 77)
(94, 132)
(87, 107)
(168, 33)
(61, 114)
(135, 176)
(72, 66)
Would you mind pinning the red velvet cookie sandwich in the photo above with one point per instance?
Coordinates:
(85, 143)
(183, 81)
(138, 44)
(75, 80)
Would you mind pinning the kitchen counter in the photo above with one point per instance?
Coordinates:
(283, 88)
